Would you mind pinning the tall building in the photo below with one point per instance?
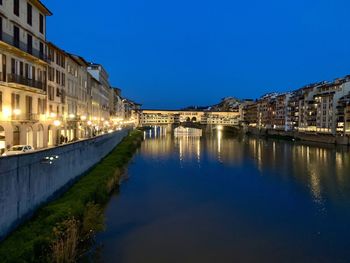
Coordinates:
(23, 73)
(104, 94)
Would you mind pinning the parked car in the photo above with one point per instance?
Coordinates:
(18, 149)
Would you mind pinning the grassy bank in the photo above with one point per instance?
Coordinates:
(59, 229)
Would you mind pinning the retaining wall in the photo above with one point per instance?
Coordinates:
(29, 180)
(321, 138)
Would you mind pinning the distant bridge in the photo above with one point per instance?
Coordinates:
(187, 118)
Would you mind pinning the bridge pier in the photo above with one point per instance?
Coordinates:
(169, 128)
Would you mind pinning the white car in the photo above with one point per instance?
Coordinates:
(18, 149)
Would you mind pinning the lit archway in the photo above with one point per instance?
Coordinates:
(40, 137)
(50, 136)
(16, 135)
(29, 136)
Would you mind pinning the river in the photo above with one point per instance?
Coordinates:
(228, 199)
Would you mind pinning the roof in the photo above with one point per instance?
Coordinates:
(41, 7)
(78, 59)
(56, 47)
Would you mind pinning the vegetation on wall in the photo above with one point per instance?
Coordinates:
(59, 230)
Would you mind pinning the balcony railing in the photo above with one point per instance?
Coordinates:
(24, 81)
(22, 46)
(26, 117)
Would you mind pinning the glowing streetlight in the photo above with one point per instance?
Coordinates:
(56, 123)
(6, 113)
(17, 112)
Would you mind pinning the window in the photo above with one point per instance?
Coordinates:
(3, 67)
(0, 28)
(26, 71)
(51, 55)
(33, 73)
(21, 68)
(41, 23)
(29, 14)
(57, 92)
(16, 36)
(15, 101)
(63, 62)
(63, 79)
(51, 94)
(0, 100)
(16, 7)
(13, 66)
(41, 50)
(58, 77)
(58, 59)
(51, 74)
(30, 43)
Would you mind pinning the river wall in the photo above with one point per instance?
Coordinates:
(313, 137)
(30, 180)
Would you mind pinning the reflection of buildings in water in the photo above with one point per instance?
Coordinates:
(315, 187)
(255, 149)
(225, 150)
(161, 145)
(219, 135)
(189, 148)
(323, 170)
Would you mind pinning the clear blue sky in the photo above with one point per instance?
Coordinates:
(170, 54)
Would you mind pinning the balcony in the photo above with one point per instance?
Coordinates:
(23, 46)
(26, 117)
(13, 78)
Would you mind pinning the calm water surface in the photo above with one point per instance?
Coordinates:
(223, 199)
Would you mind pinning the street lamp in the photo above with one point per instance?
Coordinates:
(17, 112)
(56, 123)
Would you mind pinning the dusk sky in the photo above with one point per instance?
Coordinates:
(171, 54)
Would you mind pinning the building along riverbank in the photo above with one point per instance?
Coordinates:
(59, 229)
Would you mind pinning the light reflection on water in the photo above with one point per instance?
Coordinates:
(220, 199)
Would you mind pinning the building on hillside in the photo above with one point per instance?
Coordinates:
(23, 74)
(343, 115)
(281, 120)
(327, 100)
(242, 109)
(266, 110)
(251, 114)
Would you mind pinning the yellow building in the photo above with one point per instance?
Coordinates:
(23, 74)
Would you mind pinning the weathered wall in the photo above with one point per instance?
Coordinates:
(28, 180)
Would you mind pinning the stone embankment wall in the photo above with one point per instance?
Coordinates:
(321, 138)
(29, 180)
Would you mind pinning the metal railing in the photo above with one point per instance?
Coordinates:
(26, 117)
(24, 81)
(23, 46)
